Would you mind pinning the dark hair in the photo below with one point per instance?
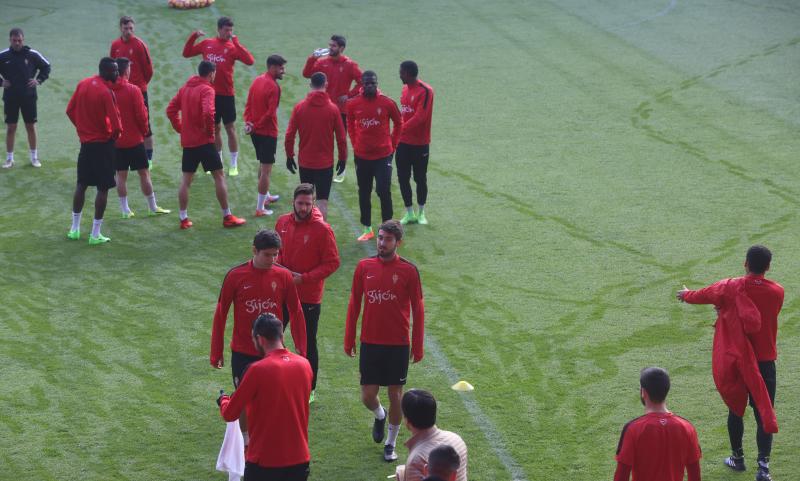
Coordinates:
(266, 239)
(275, 60)
(224, 22)
(758, 259)
(392, 227)
(340, 40)
(123, 63)
(410, 67)
(369, 73)
(105, 64)
(304, 189)
(443, 461)
(268, 326)
(655, 381)
(205, 68)
(318, 79)
(16, 32)
(419, 408)
(126, 19)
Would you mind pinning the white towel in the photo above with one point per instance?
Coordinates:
(231, 453)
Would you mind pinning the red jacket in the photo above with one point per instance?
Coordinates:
(253, 291)
(130, 103)
(275, 392)
(368, 126)
(392, 291)
(137, 52)
(191, 112)
(317, 119)
(93, 111)
(308, 248)
(341, 71)
(261, 108)
(733, 361)
(416, 106)
(222, 53)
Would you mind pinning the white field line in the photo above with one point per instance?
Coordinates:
(664, 11)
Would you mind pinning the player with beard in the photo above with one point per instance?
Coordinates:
(391, 290)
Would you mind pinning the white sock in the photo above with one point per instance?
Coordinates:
(34, 154)
(96, 224)
(123, 204)
(76, 220)
(262, 198)
(226, 212)
(183, 215)
(151, 201)
(234, 158)
(10, 156)
(380, 413)
(394, 430)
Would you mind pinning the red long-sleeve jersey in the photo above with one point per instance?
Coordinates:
(368, 126)
(261, 108)
(392, 292)
(416, 107)
(309, 248)
(93, 111)
(132, 111)
(253, 291)
(222, 53)
(275, 392)
(137, 52)
(191, 112)
(317, 120)
(341, 72)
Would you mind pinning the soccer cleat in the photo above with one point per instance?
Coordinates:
(233, 171)
(74, 234)
(273, 198)
(421, 219)
(736, 463)
(149, 163)
(158, 211)
(409, 218)
(262, 213)
(186, 223)
(388, 453)
(339, 178)
(36, 163)
(311, 398)
(367, 235)
(8, 164)
(763, 474)
(232, 221)
(378, 428)
(128, 215)
(100, 239)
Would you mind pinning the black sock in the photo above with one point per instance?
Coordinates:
(735, 433)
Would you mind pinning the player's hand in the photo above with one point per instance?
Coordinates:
(340, 166)
(297, 278)
(199, 33)
(248, 128)
(681, 293)
(218, 363)
(414, 358)
(221, 395)
(290, 164)
(6, 84)
(342, 99)
(33, 83)
(351, 352)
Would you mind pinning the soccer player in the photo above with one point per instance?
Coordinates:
(274, 391)
(416, 107)
(22, 70)
(261, 123)
(191, 113)
(130, 153)
(745, 351)
(258, 286)
(94, 113)
(658, 446)
(317, 120)
(368, 117)
(309, 251)
(391, 290)
(133, 48)
(443, 464)
(223, 51)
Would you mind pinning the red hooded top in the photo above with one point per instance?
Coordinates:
(341, 72)
(261, 108)
(416, 106)
(317, 119)
(93, 111)
(191, 112)
(368, 126)
(137, 52)
(130, 103)
(223, 54)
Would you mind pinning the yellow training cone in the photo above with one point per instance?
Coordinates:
(462, 386)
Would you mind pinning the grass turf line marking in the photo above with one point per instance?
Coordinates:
(666, 10)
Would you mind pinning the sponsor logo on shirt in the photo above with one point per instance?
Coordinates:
(245, 287)
(305, 239)
(406, 109)
(367, 123)
(260, 305)
(377, 296)
(214, 58)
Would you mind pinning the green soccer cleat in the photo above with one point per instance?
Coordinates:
(128, 215)
(421, 219)
(409, 218)
(158, 211)
(311, 398)
(233, 171)
(100, 239)
(74, 234)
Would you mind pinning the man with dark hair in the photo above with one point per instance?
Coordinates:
(94, 113)
(391, 290)
(316, 118)
(130, 152)
(255, 287)
(368, 117)
(416, 107)
(223, 51)
(22, 70)
(658, 446)
(443, 464)
(310, 253)
(191, 113)
(261, 123)
(745, 350)
(132, 47)
(274, 392)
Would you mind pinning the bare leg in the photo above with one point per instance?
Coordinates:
(233, 140)
(217, 138)
(122, 183)
(369, 396)
(79, 198)
(145, 182)
(100, 201)
(221, 188)
(31, 129)
(322, 205)
(11, 132)
(395, 408)
(263, 178)
(183, 191)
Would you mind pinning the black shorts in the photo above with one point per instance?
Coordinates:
(224, 109)
(203, 154)
(147, 106)
(254, 472)
(416, 155)
(265, 148)
(12, 104)
(96, 165)
(132, 158)
(383, 365)
(321, 178)
(239, 364)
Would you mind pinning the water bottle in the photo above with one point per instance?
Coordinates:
(321, 52)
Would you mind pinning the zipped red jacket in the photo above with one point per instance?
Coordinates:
(733, 361)
(130, 103)
(309, 248)
(341, 72)
(93, 111)
(137, 52)
(253, 291)
(261, 108)
(416, 107)
(222, 53)
(368, 126)
(191, 112)
(317, 120)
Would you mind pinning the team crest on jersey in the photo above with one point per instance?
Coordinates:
(305, 239)
(274, 286)
(225, 50)
(412, 98)
(394, 278)
(663, 422)
(285, 358)
(130, 52)
(26, 61)
(379, 110)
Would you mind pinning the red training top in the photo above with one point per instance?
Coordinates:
(275, 392)
(659, 447)
(392, 290)
(133, 113)
(222, 53)
(191, 112)
(261, 108)
(341, 72)
(416, 106)
(253, 291)
(93, 111)
(317, 119)
(368, 126)
(137, 52)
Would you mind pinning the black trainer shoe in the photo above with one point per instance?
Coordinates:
(763, 474)
(736, 463)
(389, 455)
(378, 427)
